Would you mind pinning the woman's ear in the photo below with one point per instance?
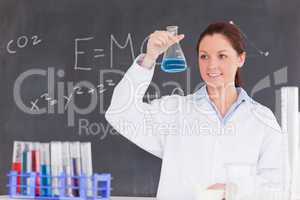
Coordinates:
(242, 59)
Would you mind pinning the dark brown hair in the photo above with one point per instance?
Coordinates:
(234, 36)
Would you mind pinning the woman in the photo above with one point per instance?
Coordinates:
(198, 135)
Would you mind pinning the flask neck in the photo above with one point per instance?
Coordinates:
(172, 29)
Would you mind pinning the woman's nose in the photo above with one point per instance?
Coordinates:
(213, 64)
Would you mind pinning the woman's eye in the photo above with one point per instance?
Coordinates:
(203, 57)
(222, 56)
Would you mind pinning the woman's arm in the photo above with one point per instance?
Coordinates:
(273, 163)
(142, 123)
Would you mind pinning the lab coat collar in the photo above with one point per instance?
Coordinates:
(203, 94)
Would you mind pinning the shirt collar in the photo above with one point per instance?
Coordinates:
(202, 93)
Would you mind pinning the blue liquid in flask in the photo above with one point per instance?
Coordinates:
(173, 59)
(173, 65)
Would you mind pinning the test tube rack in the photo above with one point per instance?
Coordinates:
(100, 189)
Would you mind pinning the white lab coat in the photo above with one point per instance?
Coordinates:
(190, 139)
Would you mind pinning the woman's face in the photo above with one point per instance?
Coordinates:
(218, 61)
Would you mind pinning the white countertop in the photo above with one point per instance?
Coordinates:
(132, 198)
(112, 198)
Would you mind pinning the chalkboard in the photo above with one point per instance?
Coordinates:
(60, 61)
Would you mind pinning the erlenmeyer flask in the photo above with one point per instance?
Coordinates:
(173, 59)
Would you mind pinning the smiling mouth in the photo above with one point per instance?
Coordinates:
(214, 75)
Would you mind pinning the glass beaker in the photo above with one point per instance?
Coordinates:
(243, 183)
(173, 59)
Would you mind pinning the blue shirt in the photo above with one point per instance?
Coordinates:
(242, 97)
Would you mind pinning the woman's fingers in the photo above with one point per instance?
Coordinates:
(160, 41)
(163, 40)
(166, 38)
(180, 37)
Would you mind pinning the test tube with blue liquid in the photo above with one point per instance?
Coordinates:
(45, 170)
(173, 59)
